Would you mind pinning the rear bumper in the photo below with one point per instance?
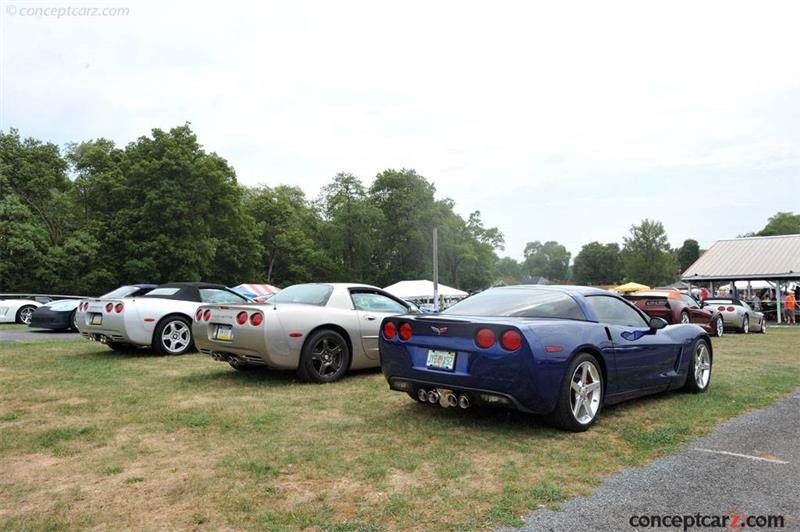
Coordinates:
(248, 347)
(520, 383)
(51, 320)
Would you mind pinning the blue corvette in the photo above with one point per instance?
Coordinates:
(559, 351)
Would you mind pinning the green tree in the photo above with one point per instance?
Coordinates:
(351, 228)
(687, 253)
(646, 255)
(181, 217)
(404, 244)
(598, 264)
(508, 271)
(549, 260)
(289, 233)
(782, 223)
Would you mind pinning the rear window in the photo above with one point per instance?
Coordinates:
(159, 292)
(519, 303)
(220, 297)
(306, 294)
(119, 293)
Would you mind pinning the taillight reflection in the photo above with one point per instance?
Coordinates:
(207, 314)
(109, 306)
(389, 330)
(511, 340)
(256, 318)
(119, 307)
(241, 318)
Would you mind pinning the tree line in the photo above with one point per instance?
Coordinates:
(94, 216)
(163, 209)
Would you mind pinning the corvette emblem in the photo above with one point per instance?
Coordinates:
(439, 330)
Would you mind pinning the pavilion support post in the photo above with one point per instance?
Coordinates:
(711, 288)
(778, 301)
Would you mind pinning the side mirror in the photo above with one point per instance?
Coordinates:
(657, 323)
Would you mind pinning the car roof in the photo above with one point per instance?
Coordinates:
(565, 289)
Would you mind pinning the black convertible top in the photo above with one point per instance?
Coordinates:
(188, 291)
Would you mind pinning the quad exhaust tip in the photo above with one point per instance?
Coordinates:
(452, 400)
(463, 402)
(422, 395)
(433, 397)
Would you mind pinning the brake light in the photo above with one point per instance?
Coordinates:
(720, 309)
(241, 318)
(256, 318)
(730, 309)
(109, 306)
(389, 330)
(485, 338)
(511, 340)
(405, 332)
(207, 314)
(118, 308)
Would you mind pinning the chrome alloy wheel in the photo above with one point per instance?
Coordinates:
(327, 357)
(720, 326)
(25, 315)
(175, 336)
(746, 325)
(585, 391)
(684, 317)
(702, 365)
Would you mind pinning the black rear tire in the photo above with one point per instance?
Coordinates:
(719, 327)
(179, 345)
(325, 357)
(562, 416)
(746, 325)
(73, 325)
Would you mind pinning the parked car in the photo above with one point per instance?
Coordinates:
(17, 310)
(161, 318)
(563, 352)
(677, 307)
(738, 315)
(322, 330)
(62, 314)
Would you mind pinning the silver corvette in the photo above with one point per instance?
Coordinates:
(161, 318)
(320, 330)
(737, 314)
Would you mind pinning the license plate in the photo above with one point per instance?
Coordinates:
(224, 333)
(441, 359)
(97, 319)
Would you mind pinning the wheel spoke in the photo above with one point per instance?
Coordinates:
(592, 386)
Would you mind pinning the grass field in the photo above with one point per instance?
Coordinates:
(94, 438)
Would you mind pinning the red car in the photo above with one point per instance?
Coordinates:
(676, 307)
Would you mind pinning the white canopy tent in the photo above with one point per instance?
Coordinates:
(421, 292)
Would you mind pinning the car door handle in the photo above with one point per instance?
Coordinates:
(370, 318)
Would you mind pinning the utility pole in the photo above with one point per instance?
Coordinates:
(435, 270)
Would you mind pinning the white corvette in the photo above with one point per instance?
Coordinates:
(162, 318)
(17, 310)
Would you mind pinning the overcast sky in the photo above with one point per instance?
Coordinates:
(557, 120)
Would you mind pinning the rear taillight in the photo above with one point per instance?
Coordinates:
(199, 314)
(241, 318)
(109, 306)
(256, 319)
(118, 308)
(720, 309)
(389, 330)
(207, 314)
(485, 338)
(511, 340)
(405, 332)
(730, 309)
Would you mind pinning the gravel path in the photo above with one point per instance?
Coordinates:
(749, 465)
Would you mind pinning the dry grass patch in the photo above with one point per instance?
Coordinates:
(93, 438)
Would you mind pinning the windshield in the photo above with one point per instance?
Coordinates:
(306, 294)
(519, 303)
(119, 293)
